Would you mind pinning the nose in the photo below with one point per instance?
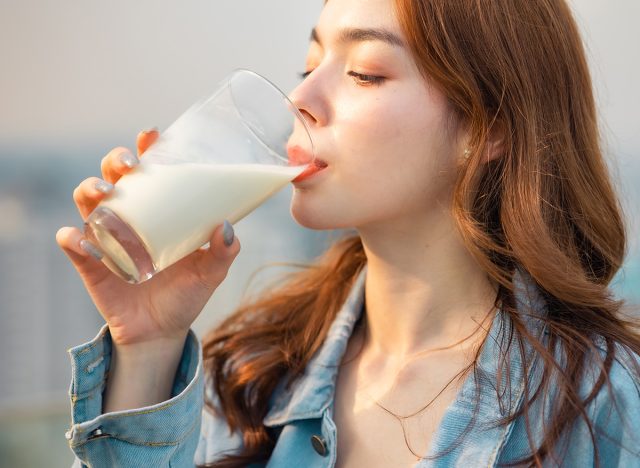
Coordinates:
(308, 98)
(310, 119)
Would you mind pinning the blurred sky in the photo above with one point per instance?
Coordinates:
(80, 77)
(77, 72)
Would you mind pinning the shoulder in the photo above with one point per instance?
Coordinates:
(624, 373)
(621, 384)
(624, 393)
(615, 410)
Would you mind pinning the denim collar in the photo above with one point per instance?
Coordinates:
(311, 394)
(480, 404)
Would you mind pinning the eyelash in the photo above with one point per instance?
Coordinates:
(364, 80)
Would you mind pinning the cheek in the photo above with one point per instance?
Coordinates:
(392, 155)
(394, 135)
(362, 121)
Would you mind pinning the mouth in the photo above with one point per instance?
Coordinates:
(298, 156)
(312, 169)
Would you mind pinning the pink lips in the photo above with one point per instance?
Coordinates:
(299, 156)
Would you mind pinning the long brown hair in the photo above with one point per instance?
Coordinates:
(545, 206)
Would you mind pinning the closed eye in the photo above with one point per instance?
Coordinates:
(366, 80)
(360, 78)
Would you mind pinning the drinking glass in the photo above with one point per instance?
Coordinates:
(222, 158)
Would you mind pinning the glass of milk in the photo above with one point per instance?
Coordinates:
(220, 160)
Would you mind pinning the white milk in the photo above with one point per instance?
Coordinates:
(174, 208)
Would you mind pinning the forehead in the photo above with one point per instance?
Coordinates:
(341, 14)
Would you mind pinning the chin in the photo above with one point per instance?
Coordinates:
(315, 218)
(310, 221)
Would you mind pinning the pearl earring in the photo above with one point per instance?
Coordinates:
(467, 153)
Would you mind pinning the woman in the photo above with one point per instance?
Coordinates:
(469, 322)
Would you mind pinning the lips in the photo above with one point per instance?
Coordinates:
(298, 156)
(310, 170)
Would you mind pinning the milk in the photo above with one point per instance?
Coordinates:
(174, 208)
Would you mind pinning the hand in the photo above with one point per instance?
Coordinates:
(162, 308)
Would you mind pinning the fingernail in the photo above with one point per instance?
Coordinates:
(227, 233)
(129, 159)
(149, 130)
(90, 249)
(103, 186)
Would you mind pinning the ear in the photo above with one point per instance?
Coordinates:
(495, 146)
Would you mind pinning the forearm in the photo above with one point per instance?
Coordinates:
(141, 375)
(167, 433)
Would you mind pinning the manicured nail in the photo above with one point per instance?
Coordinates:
(227, 233)
(104, 186)
(129, 159)
(149, 130)
(90, 249)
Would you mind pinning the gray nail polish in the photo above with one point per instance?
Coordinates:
(129, 160)
(227, 233)
(103, 186)
(90, 249)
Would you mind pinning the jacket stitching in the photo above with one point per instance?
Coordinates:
(134, 441)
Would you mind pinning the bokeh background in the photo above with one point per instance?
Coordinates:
(78, 78)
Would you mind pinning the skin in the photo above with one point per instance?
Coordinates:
(393, 152)
(148, 322)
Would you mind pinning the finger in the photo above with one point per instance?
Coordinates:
(89, 193)
(118, 162)
(214, 264)
(84, 257)
(69, 238)
(81, 253)
(146, 138)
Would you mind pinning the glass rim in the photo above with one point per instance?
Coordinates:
(294, 110)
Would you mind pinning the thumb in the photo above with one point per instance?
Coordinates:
(224, 247)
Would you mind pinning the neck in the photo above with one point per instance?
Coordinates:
(423, 289)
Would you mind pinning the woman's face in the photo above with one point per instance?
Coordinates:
(384, 132)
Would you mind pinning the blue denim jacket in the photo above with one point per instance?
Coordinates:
(179, 433)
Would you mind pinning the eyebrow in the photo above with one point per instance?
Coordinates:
(362, 35)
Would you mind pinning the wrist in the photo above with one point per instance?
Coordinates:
(153, 348)
(141, 374)
(126, 338)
